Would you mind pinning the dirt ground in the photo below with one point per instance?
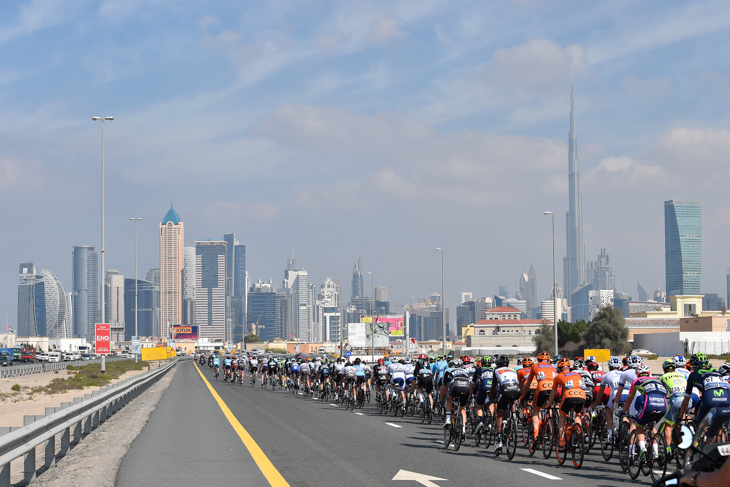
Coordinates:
(16, 404)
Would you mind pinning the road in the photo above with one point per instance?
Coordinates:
(189, 440)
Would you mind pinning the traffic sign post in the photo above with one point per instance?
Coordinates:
(348, 354)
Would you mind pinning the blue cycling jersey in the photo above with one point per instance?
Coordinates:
(216, 362)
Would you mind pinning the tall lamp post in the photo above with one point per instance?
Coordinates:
(372, 316)
(103, 278)
(443, 309)
(555, 285)
(136, 310)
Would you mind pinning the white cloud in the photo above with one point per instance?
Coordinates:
(385, 29)
(38, 15)
(206, 21)
(646, 88)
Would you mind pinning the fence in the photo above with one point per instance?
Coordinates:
(26, 369)
(77, 421)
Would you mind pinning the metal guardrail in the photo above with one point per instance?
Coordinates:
(77, 421)
(37, 368)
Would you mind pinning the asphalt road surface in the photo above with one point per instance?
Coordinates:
(189, 440)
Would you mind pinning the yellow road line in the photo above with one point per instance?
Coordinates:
(267, 468)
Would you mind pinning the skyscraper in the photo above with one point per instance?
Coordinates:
(172, 263)
(27, 325)
(296, 286)
(148, 302)
(114, 290)
(189, 287)
(528, 290)
(574, 262)
(683, 246)
(210, 290)
(328, 310)
(267, 311)
(357, 282)
(643, 294)
(85, 278)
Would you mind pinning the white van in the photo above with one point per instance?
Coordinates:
(54, 357)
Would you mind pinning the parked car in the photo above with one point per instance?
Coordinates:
(641, 353)
(42, 357)
(54, 357)
(68, 356)
(6, 359)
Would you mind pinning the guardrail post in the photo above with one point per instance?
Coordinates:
(5, 475)
(95, 419)
(65, 441)
(87, 425)
(50, 452)
(29, 466)
(77, 433)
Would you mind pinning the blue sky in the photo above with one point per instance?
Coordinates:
(380, 130)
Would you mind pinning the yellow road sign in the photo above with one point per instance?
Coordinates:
(601, 354)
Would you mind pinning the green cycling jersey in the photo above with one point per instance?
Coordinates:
(675, 383)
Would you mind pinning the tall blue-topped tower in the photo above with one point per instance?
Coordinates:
(171, 216)
(683, 246)
(574, 263)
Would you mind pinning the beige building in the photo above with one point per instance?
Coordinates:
(172, 262)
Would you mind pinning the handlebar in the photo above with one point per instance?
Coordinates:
(667, 478)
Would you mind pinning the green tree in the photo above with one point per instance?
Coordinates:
(570, 332)
(608, 330)
(544, 340)
(251, 338)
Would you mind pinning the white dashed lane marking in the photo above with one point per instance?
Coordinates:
(541, 474)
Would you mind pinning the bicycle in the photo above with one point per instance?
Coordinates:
(455, 431)
(216, 373)
(425, 409)
(509, 432)
(652, 460)
(574, 442)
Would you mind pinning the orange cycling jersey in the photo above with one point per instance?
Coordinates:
(522, 375)
(571, 383)
(544, 374)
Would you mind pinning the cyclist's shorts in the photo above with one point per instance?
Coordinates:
(674, 404)
(295, 373)
(709, 402)
(398, 382)
(339, 376)
(360, 380)
(253, 369)
(350, 380)
(612, 399)
(228, 366)
(409, 380)
(540, 399)
(482, 396)
(571, 404)
(648, 406)
(504, 400)
(460, 390)
(530, 394)
(382, 380)
(426, 382)
(368, 374)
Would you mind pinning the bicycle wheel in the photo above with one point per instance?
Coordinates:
(587, 432)
(547, 435)
(633, 456)
(458, 431)
(657, 461)
(429, 414)
(490, 429)
(510, 437)
(526, 425)
(606, 445)
(561, 449)
(577, 445)
(447, 436)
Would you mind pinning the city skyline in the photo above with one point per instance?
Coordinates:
(401, 125)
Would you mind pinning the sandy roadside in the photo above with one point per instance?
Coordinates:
(17, 404)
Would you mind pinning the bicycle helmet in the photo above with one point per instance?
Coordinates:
(578, 364)
(348, 364)
(527, 362)
(563, 363)
(421, 357)
(451, 364)
(467, 360)
(402, 362)
(357, 361)
(635, 361)
(486, 360)
(697, 359)
(724, 369)
(592, 365)
(679, 361)
(381, 361)
(590, 358)
(502, 361)
(543, 356)
(643, 369)
(667, 366)
(614, 363)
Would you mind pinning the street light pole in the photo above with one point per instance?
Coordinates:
(443, 309)
(136, 307)
(555, 286)
(372, 316)
(103, 277)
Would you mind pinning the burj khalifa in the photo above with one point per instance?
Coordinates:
(574, 266)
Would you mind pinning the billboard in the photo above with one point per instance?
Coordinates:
(187, 332)
(103, 340)
(357, 335)
(395, 324)
(157, 353)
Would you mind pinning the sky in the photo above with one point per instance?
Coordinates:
(338, 130)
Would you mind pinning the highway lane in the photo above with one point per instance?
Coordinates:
(314, 443)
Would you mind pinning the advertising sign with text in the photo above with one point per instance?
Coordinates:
(103, 339)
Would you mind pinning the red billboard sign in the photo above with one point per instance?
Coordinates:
(103, 339)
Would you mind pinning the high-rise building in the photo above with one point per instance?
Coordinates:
(327, 311)
(503, 292)
(598, 299)
(602, 275)
(683, 246)
(148, 309)
(712, 302)
(727, 284)
(574, 262)
(210, 290)
(153, 276)
(642, 292)
(357, 281)
(296, 286)
(172, 263)
(267, 311)
(189, 287)
(528, 290)
(114, 290)
(26, 324)
(85, 278)
(42, 307)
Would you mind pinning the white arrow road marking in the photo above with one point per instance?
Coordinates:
(541, 474)
(360, 414)
(394, 425)
(422, 479)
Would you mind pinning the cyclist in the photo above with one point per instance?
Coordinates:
(579, 367)
(359, 376)
(714, 388)
(438, 369)
(573, 397)
(273, 367)
(611, 380)
(544, 372)
(216, 365)
(424, 379)
(651, 398)
(397, 378)
(368, 374)
(227, 367)
(724, 370)
(676, 384)
(409, 369)
(294, 373)
(339, 374)
(625, 382)
(522, 375)
(264, 369)
(380, 372)
(481, 388)
(304, 368)
(456, 386)
(253, 367)
(596, 376)
(505, 391)
(324, 376)
(350, 374)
